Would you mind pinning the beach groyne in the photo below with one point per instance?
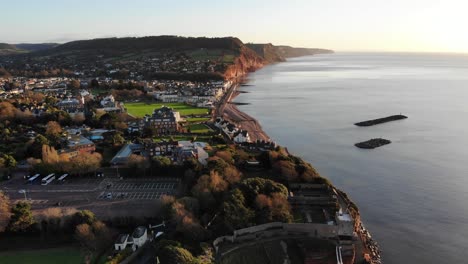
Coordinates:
(382, 120)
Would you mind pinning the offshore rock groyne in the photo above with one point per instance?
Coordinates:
(373, 143)
(382, 120)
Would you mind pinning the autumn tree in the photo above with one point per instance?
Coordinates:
(274, 208)
(4, 211)
(207, 189)
(94, 237)
(49, 155)
(21, 218)
(85, 235)
(53, 130)
(85, 163)
(180, 212)
(74, 84)
(137, 162)
(232, 175)
(7, 111)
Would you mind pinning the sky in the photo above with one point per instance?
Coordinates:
(341, 25)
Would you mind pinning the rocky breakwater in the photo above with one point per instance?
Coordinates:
(373, 143)
(377, 121)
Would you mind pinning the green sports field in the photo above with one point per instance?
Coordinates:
(140, 109)
(43, 256)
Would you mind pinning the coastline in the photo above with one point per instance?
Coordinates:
(231, 112)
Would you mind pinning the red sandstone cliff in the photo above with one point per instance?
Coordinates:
(247, 61)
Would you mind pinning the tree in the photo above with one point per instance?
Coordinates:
(286, 169)
(173, 253)
(53, 130)
(22, 219)
(254, 186)
(84, 217)
(232, 175)
(35, 150)
(49, 155)
(7, 111)
(4, 211)
(75, 84)
(84, 163)
(273, 209)
(236, 213)
(94, 83)
(84, 234)
(7, 161)
(161, 161)
(137, 162)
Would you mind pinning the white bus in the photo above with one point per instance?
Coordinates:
(33, 178)
(62, 178)
(48, 179)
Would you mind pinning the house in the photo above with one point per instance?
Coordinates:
(187, 150)
(108, 101)
(121, 158)
(71, 105)
(122, 242)
(241, 136)
(164, 120)
(140, 236)
(76, 144)
(163, 148)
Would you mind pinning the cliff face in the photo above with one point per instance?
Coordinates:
(290, 52)
(247, 61)
(268, 52)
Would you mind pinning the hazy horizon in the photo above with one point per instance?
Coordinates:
(362, 25)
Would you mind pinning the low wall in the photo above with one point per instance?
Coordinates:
(277, 229)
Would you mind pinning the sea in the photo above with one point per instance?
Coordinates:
(412, 193)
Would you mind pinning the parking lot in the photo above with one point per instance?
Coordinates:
(144, 186)
(138, 190)
(133, 195)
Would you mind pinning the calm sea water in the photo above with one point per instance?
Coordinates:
(413, 193)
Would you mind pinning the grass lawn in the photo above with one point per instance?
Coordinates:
(140, 109)
(197, 119)
(199, 128)
(46, 256)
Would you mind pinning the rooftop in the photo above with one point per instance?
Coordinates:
(139, 232)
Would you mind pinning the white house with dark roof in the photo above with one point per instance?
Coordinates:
(122, 242)
(241, 136)
(140, 236)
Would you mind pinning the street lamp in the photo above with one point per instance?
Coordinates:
(23, 191)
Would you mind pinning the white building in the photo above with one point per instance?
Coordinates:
(140, 236)
(122, 242)
(241, 136)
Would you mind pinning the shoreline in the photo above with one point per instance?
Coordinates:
(231, 112)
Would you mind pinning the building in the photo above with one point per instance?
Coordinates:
(121, 158)
(163, 148)
(241, 136)
(140, 236)
(122, 241)
(71, 105)
(188, 150)
(164, 121)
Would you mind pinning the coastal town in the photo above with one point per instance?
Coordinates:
(160, 168)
